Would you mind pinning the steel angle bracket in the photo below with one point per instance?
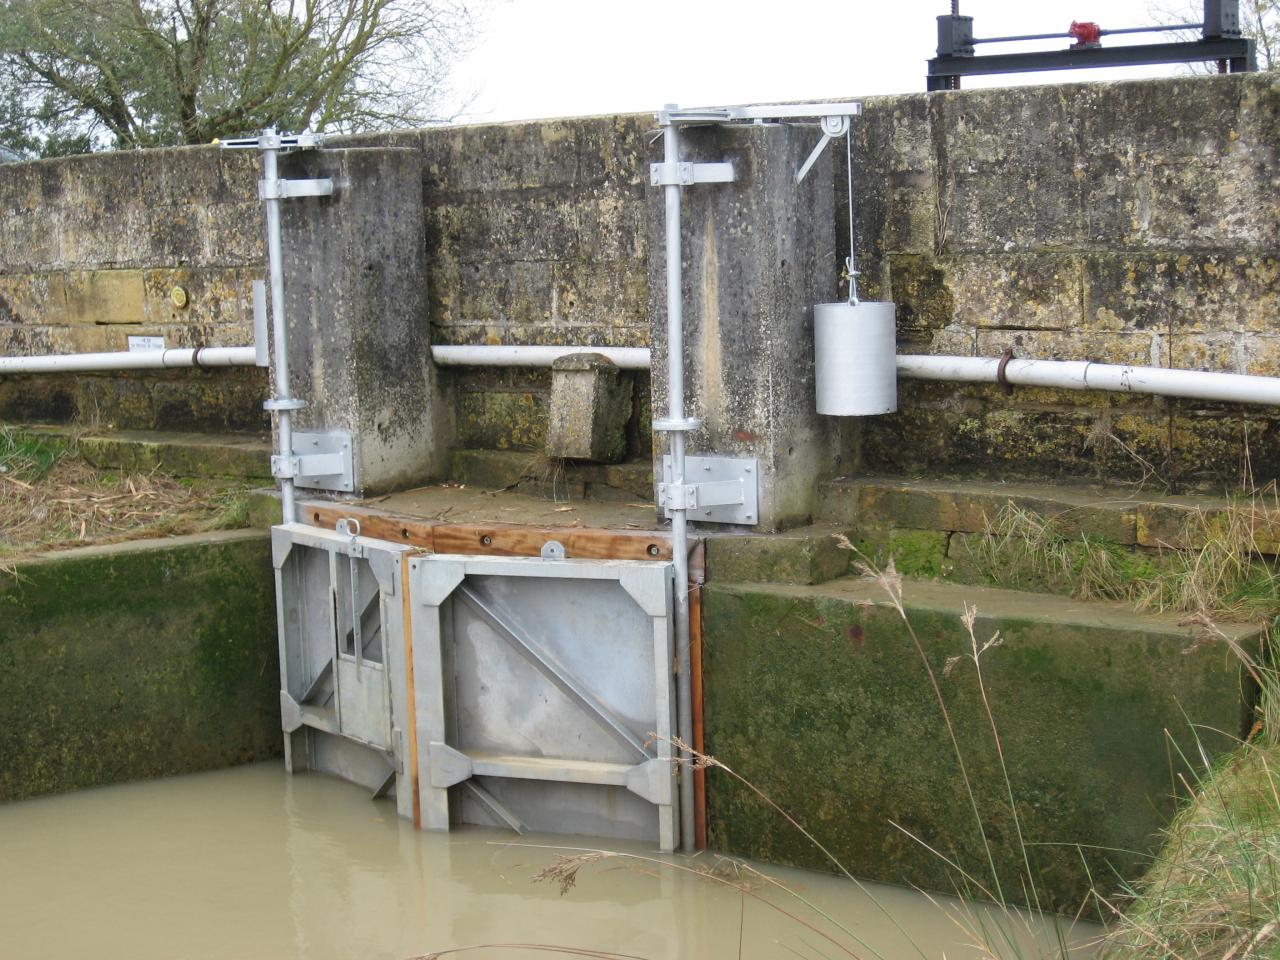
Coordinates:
(282, 189)
(687, 174)
(715, 489)
(321, 461)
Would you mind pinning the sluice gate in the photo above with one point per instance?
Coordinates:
(532, 693)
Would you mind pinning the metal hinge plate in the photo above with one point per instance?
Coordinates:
(715, 489)
(321, 461)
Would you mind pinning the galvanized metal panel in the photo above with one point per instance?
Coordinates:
(341, 644)
(541, 684)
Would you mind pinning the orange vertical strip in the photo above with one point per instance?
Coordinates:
(411, 707)
(697, 572)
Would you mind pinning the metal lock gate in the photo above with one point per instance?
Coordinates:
(339, 600)
(545, 695)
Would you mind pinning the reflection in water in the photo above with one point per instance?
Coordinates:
(250, 863)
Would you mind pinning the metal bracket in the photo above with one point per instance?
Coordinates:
(716, 489)
(687, 174)
(282, 189)
(832, 127)
(271, 140)
(322, 461)
(276, 405)
(552, 550)
(668, 425)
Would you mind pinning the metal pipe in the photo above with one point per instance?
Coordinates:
(282, 404)
(1102, 33)
(1086, 375)
(132, 360)
(627, 358)
(679, 522)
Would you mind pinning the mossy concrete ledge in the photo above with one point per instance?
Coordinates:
(818, 695)
(137, 660)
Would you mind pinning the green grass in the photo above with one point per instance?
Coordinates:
(1215, 891)
(1231, 575)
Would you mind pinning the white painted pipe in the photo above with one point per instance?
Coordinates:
(627, 358)
(132, 360)
(1086, 375)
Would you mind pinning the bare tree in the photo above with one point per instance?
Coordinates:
(1259, 19)
(124, 73)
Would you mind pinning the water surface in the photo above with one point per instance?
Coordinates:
(250, 863)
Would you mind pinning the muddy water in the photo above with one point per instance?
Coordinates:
(250, 863)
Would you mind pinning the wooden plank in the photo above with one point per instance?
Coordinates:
(373, 523)
(697, 574)
(491, 539)
(516, 540)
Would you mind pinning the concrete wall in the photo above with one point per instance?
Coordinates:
(1127, 222)
(137, 660)
(1120, 222)
(91, 249)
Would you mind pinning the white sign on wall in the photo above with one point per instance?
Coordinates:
(138, 344)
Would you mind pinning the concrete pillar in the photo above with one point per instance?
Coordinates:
(356, 294)
(758, 253)
(590, 405)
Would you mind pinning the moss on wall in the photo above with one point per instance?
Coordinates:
(135, 661)
(818, 696)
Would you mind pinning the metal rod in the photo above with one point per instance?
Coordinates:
(679, 523)
(1104, 33)
(466, 355)
(131, 360)
(1085, 375)
(270, 143)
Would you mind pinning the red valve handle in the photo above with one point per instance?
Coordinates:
(1086, 33)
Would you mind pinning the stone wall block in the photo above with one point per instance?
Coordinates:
(1039, 291)
(590, 406)
(895, 184)
(1009, 176)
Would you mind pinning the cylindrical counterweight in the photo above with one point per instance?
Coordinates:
(855, 353)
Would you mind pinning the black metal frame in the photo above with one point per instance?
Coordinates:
(1221, 42)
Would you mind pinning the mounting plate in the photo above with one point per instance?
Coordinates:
(324, 461)
(725, 489)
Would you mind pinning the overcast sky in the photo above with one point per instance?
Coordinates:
(549, 58)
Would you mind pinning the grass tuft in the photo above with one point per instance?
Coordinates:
(1232, 575)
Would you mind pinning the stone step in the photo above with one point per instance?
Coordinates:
(230, 456)
(818, 695)
(1070, 539)
(803, 555)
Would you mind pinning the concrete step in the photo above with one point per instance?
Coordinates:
(1068, 539)
(230, 456)
(818, 695)
(801, 555)
(1117, 515)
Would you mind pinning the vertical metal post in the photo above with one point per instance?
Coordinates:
(679, 522)
(282, 404)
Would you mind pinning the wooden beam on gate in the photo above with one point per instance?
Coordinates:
(490, 539)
